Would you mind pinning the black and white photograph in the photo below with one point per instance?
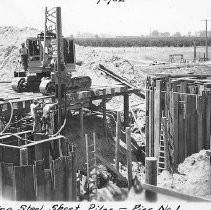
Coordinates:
(105, 104)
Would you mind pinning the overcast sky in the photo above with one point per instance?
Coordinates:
(132, 17)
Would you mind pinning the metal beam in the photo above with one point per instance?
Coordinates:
(58, 43)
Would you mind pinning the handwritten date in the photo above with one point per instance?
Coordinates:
(109, 1)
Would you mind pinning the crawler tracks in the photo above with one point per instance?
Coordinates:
(7, 93)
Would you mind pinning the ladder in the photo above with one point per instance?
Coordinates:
(162, 159)
(91, 163)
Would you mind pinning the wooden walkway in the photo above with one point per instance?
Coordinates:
(21, 101)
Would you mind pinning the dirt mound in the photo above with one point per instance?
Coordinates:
(91, 58)
(10, 41)
(193, 177)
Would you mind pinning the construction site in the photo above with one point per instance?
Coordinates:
(80, 124)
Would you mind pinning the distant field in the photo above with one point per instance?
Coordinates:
(142, 41)
(146, 55)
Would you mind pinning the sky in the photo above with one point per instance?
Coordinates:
(131, 17)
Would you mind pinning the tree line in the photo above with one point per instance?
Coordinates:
(142, 42)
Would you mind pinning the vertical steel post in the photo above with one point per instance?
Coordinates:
(45, 33)
(87, 162)
(81, 124)
(58, 43)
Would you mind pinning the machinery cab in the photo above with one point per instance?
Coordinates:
(39, 63)
(42, 58)
(69, 54)
(35, 54)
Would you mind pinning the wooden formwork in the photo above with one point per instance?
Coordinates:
(184, 103)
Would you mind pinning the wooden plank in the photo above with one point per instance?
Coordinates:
(94, 92)
(199, 76)
(78, 105)
(69, 180)
(208, 113)
(129, 157)
(210, 168)
(118, 133)
(185, 125)
(38, 148)
(104, 118)
(19, 183)
(6, 110)
(126, 110)
(201, 89)
(189, 143)
(110, 167)
(181, 142)
(151, 123)
(110, 90)
(42, 141)
(120, 79)
(101, 96)
(8, 179)
(147, 146)
(121, 89)
(83, 95)
(200, 124)
(157, 117)
(183, 121)
(183, 87)
(46, 154)
(193, 123)
(74, 175)
(38, 151)
(59, 179)
(39, 180)
(27, 106)
(48, 185)
(2, 153)
(11, 151)
(204, 118)
(147, 121)
(30, 194)
(175, 116)
(23, 157)
(1, 179)
(31, 155)
(175, 194)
